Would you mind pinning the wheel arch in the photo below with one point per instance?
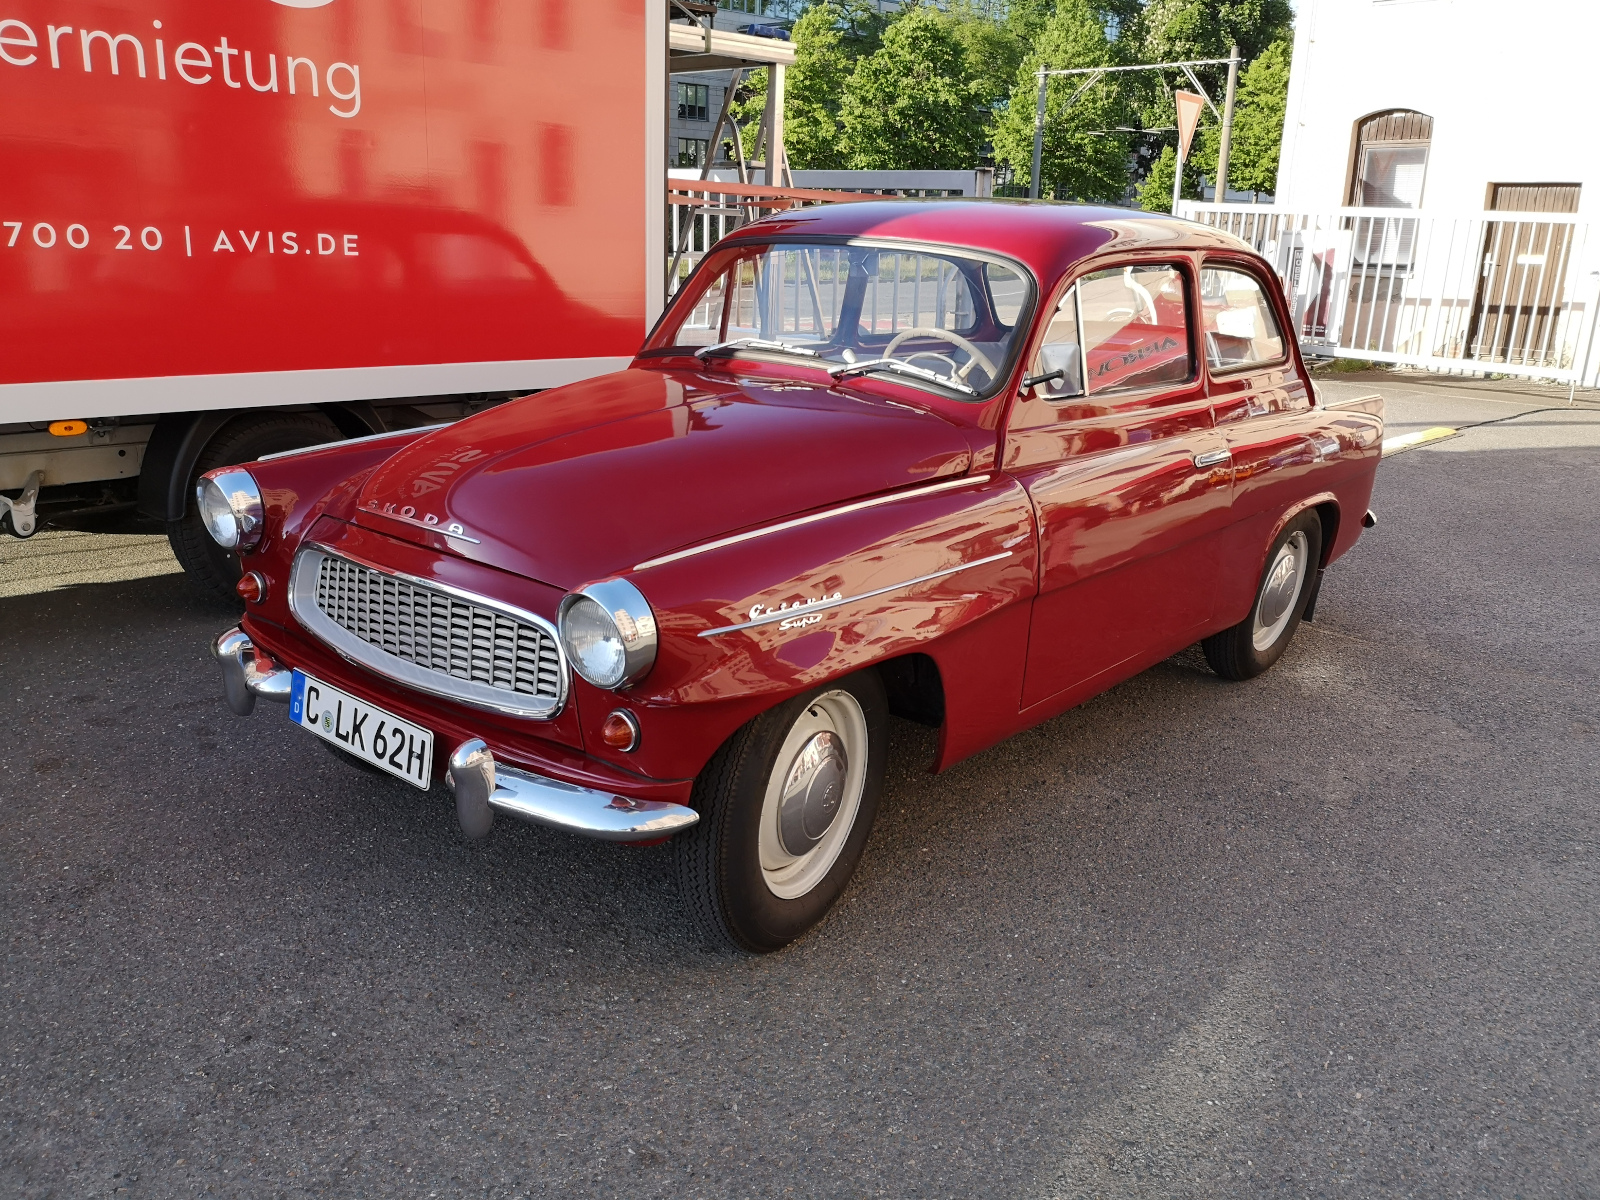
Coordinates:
(915, 687)
(1326, 506)
(179, 439)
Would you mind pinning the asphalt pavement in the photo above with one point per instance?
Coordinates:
(1328, 933)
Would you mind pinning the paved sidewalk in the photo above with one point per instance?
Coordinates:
(1415, 401)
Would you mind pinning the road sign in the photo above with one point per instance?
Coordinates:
(1189, 106)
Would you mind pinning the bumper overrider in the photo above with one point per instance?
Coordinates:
(481, 786)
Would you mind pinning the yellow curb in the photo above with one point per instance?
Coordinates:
(1409, 441)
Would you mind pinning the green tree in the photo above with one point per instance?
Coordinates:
(1081, 161)
(829, 37)
(1155, 193)
(1173, 30)
(1258, 112)
(994, 48)
(813, 88)
(911, 105)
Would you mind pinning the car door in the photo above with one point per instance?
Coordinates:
(1113, 438)
(1263, 409)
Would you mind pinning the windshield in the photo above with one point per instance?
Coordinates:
(949, 319)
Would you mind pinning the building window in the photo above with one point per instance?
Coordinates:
(1390, 160)
(758, 7)
(692, 152)
(693, 101)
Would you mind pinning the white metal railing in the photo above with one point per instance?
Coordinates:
(1509, 293)
(701, 212)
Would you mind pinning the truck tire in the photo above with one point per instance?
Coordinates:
(786, 806)
(1287, 583)
(241, 440)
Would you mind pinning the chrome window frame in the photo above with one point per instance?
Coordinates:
(302, 603)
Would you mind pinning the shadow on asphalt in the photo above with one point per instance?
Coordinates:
(1328, 930)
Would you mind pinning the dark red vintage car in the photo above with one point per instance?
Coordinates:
(967, 463)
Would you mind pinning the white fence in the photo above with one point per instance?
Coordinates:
(1502, 292)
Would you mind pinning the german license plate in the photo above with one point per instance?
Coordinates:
(362, 729)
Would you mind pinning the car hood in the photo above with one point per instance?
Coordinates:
(588, 480)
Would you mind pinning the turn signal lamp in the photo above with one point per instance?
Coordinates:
(620, 730)
(68, 428)
(252, 587)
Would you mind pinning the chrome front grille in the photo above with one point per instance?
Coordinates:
(437, 639)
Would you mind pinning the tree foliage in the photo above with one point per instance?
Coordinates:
(911, 104)
(1258, 111)
(1082, 158)
(936, 85)
(813, 87)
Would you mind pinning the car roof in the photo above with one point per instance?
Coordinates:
(1048, 237)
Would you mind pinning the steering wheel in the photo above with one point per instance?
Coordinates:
(975, 357)
(955, 367)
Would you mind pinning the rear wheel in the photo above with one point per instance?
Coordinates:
(1254, 644)
(240, 441)
(786, 806)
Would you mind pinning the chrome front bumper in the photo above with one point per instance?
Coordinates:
(248, 673)
(481, 786)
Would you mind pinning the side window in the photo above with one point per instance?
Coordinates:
(1135, 328)
(1240, 329)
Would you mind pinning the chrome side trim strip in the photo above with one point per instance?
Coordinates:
(786, 614)
(944, 485)
(302, 592)
(371, 437)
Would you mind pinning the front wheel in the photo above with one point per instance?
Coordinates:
(786, 806)
(1254, 644)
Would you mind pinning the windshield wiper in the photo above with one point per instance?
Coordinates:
(755, 344)
(895, 366)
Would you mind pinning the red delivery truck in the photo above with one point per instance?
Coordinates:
(229, 230)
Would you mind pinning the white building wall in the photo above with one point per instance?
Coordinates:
(1511, 87)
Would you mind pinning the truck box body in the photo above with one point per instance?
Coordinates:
(319, 201)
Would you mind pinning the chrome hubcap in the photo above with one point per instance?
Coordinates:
(1281, 590)
(813, 795)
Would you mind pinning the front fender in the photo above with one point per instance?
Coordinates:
(746, 622)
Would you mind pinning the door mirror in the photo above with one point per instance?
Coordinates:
(1060, 373)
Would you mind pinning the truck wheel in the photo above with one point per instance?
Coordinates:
(239, 441)
(785, 806)
(1258, 641)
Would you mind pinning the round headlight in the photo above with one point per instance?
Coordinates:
(230, 507)
(608, 632)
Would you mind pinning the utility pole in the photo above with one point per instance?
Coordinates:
(1226, 147)
(1038, 138)
(1095, 74)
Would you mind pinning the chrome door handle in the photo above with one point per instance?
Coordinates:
(1212, 458)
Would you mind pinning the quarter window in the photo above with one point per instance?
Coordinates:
(1135, 328)
(1240, 329)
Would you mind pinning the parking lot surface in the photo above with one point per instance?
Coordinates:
(1332, 932)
